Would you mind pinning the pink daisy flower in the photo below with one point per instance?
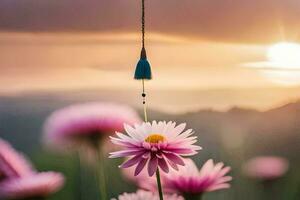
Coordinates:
(190, 181)
(86, 123)
(13, 163)
(35, 185)
(157, 145)
(145, 195)
(266, 167)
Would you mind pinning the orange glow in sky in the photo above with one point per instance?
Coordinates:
(70, 61)
(194, 45)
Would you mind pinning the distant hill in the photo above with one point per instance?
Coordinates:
(253, 131)
(276, 131)
(175, 101)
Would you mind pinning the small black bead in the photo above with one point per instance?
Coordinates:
(144, 102)
(143, 95)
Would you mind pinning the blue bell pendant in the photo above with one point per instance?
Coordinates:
(143, 68)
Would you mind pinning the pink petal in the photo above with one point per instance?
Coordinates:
(223, 179)
(219, 187)
(178, 130)
(122, 143)
(174, 158)
(180, 150)
(13, 163)
(125, 153)
(140, 166)
(163, 165)
(172, 164)
(132, 161)
(152, 165)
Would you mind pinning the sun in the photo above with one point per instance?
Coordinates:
(284, 55)
(282, 66)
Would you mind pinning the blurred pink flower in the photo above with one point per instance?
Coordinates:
(266, 167)
(13, 163)
(19, 180)
(35, 185)
(191, 181)
(157, 145)
(145, 195)
(86, 123)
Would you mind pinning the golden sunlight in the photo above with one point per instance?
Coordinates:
(285, 55)
(282, 65)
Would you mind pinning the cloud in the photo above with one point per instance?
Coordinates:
(244, 21)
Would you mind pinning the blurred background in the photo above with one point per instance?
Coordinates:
(230, 69)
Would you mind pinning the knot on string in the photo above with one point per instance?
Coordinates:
(144, 97)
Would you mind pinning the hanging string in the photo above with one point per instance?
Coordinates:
(143, 49)
(143, 72)
(143, 23)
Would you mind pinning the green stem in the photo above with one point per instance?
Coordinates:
(80, 178)
(268, 190)
(161, 197)
(101, 174)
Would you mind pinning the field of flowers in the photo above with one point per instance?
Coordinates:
(79, 155)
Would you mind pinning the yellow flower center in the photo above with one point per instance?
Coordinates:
(155, 138)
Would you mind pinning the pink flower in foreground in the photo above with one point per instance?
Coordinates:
(144, 195)
(155, 145)
(36, 185)
(191, 181)
(19, 180)
(13, 163)
(86, 123)
(266, 167)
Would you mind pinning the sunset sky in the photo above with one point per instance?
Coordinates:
(192, 44)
